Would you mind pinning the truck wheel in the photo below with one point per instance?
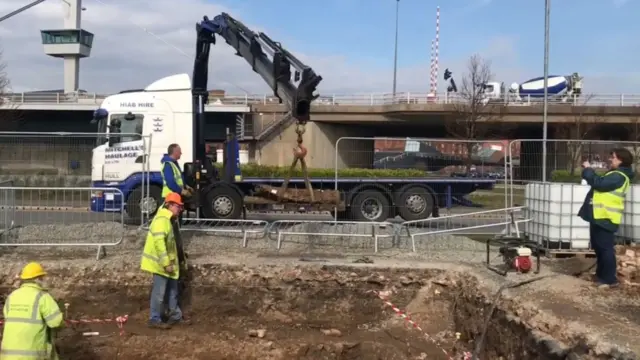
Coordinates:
(370, 205)
(222, 202)
(415, 203)
(137, 201)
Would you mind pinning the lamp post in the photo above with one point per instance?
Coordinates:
(545, 103)
(395, 53)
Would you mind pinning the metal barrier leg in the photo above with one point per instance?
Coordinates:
(413, 243)
(244, 238)
(279, 245)
(375, 244)
(102, 252)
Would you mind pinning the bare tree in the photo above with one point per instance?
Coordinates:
(577, 128)
(10, 116)
(474, 113)
(4, 81)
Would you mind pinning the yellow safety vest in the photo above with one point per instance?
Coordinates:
(160, 248)
(177, 175)
(610, 205)
(28, 313)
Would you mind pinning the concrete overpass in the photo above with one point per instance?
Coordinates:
(365, 107)
(269, 133)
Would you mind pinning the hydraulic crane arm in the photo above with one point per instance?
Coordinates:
(274, 70)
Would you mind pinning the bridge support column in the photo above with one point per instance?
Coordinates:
(320, 139)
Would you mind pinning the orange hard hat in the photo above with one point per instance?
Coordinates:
(173, 198)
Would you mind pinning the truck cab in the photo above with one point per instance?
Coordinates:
(139, 126)
(493, 91)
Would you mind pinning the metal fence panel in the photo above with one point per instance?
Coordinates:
(317, 234)
(37, 225)
(63, 160)
(503, 222)
(554, 204)
(244, 229)
(7, 205)
(448, 168)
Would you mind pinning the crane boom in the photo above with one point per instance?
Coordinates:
(18, 11)
(274, 70)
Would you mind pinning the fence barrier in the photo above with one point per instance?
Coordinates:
(448, 169)
(465, 224)
(34, 225)
(45, 180)
(63, 160)
(246, 229)
(315, 233)
(7, 205)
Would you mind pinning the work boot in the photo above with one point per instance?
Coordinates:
(181, 322)
(159, 325)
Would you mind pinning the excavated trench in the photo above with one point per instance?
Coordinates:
(295, 313)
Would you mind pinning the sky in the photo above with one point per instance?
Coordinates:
(349, 42)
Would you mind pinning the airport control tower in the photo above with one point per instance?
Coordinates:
(70, 43)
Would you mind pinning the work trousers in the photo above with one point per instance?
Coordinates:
(603, 242)
(164, 292)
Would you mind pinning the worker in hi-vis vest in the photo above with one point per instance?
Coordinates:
(160, 258)
(30, 315)
(172, 179)
(603, 207)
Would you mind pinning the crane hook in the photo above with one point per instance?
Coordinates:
(299, 154)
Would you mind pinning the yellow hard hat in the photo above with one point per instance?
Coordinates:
(31, 271)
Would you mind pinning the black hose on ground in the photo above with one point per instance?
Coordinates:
(480, 344)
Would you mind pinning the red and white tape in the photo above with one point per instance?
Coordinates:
(407, 318)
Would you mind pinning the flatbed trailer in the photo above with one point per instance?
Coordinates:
(361, 199)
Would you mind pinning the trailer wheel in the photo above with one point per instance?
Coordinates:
(370, 205)
(137, 201)
(415, 203)
(222, 202)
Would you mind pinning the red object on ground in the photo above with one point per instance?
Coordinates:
(522, 263)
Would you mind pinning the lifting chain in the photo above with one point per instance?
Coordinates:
(299, 154)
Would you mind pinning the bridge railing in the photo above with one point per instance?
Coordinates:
(371, 99)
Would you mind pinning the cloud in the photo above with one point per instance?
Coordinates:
(126, 55)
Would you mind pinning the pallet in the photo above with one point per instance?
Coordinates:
(564, 254)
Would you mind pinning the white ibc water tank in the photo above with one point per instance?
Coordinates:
(630, 227)
(553, 208)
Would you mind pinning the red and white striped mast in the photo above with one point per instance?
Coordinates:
(435, 52)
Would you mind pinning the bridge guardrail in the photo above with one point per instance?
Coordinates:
(372, 99)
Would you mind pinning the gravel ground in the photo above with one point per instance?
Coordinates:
(73, 234)
(297, 239)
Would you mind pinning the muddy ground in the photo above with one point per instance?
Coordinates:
(272, 311)
(266, 313)
(257, 303)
